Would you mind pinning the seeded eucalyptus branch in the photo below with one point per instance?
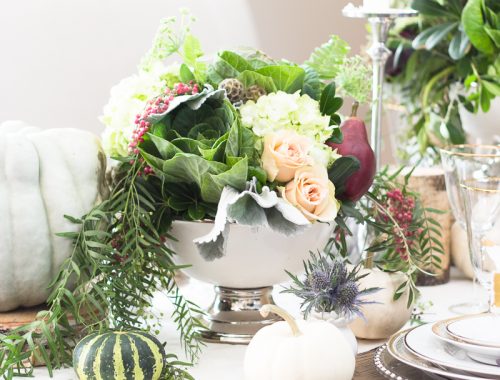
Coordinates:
(118, 262)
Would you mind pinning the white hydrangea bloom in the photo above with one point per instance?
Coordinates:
(323, 154)
(128, 98)
(280, 110)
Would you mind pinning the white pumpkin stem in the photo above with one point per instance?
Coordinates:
(266, 309)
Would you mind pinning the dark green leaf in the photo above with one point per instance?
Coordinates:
(328, 103)
(341, 170)
(430, 8)
(474, 25)
(312, 83)
(337, 137)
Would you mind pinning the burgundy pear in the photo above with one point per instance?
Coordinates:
(355, 143)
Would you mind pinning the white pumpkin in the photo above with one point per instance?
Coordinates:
(298, 350)
(44, 174)
(386, 316)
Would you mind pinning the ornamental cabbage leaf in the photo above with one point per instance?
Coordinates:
(199, 144)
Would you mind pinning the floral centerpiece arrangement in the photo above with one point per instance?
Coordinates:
(240, 138)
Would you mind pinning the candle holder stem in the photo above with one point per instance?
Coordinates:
(379, 54)
(381, 21)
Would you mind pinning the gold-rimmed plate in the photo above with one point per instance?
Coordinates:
(422, 342)
(398, 349)
(479, 329)
(483, 354)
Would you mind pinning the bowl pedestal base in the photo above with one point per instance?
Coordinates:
(234, 316)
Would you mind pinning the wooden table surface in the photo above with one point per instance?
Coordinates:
(365, 369)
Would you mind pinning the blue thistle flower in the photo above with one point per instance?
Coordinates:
(329, 286)
(319, 280)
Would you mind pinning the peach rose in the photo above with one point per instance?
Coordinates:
(284, 153)
(312, 193)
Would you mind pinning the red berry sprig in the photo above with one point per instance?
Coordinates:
(401, 209)
(157, 106)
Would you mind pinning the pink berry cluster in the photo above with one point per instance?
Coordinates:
(401, 208)
(155, 106)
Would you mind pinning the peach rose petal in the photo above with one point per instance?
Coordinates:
(312, 193)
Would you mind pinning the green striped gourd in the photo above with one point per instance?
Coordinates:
(119, 355)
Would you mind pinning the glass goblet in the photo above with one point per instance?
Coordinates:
(460, 162)
(482, 212)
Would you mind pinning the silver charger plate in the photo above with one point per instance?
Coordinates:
(398, 349)
(391, 368)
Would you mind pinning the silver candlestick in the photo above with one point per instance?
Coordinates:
(380, 21)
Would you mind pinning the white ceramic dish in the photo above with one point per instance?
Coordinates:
(483, 354)
(480, 329)
(424, 343)
(397, 348)
(255, 256)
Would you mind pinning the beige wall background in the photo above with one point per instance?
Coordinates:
(59, 58)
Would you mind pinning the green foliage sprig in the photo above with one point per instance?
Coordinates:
(171, 39)
(118, 262)
(412, 249)
(452, 42)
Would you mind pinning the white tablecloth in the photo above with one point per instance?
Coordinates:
(225, 362)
